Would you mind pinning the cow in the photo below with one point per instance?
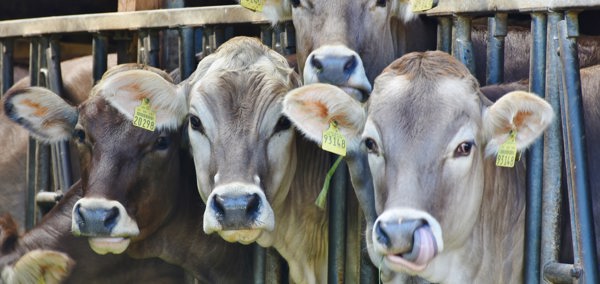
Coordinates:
(138, 185)
(446, 212)
(77, 81)
(258, 179)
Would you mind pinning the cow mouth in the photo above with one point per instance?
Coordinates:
(357, 93)
(424, 249)
(115, 245)
(241, 236)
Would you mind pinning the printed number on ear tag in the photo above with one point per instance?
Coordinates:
(333, 140)
(507, 153)
(421, 5)
(254, 5)
(144, 117)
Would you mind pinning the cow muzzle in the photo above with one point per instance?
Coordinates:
(238, 212)
(106, 224)
(338, 65)
(407, 240)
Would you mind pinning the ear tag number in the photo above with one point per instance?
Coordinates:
(254, 5)
(421, 5)
(333, 141)
(144, 117)
(507, 153)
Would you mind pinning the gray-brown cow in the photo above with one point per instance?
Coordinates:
(258, 179)
(446, 212)
(137, 185)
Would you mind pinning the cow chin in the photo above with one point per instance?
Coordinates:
(405, 240)
(242, 236)
(109, 245)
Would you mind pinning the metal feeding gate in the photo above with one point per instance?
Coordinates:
(554, 28)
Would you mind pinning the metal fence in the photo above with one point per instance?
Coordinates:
(554, 27)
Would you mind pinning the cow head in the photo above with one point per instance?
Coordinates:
(428, 134)
(129, 174)
(344, 43)
(241, 143)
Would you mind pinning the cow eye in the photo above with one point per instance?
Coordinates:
(196, 124)
(282, 124)
(371, 146)
(162, 143)
(79, 135)
(295, 3)
(464, 149)
(380, 3)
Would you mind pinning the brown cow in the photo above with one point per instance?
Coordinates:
(77, 81)
(447, 213)
(138, 186)
(258, 179)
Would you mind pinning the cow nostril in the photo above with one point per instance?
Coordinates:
(218, 205)
(381, 235)
(79, 215)
(350, 64)
(316, 63)
(253, 204)
(111, 217)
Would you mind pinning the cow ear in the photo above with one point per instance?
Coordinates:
(46, 115)
(311, 108)
(402, 9)
(523, 112)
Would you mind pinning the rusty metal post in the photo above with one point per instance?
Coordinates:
(463, 48)
(8, 79)
(535, 154)
(575, 152)
(497, 29)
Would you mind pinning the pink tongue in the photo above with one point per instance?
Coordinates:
(426, 245)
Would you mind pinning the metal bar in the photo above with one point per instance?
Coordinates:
(266, 35)
(574, 124)
(553, 144)
(449, 7)
(463, 49)
(290, 39)
(30, 211)
(187, 59)
(444, 34)
(560, 273)
(259, 264)
(153, 19)
(44, 162)
(99, 54)
(337, 224)
(497, 28)
(8, 79)
(274, 267)
(152, 47)
(535, 154)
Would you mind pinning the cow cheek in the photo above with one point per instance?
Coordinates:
(281, 156)
(201, 153)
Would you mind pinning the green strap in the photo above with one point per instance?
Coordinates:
(322, 198)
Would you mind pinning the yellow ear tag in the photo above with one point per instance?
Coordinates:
(333, 140)
(421, 5)
(507, 153)
(144, 117)
(254, 5)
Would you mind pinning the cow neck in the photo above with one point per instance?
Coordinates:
(300, 214)
(182, 241)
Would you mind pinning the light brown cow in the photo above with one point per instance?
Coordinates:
(258, 179)
(447, 213)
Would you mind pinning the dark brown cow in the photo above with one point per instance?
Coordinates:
(138, 186)
(446, 212)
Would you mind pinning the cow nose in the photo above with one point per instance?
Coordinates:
(334, 69)
(96, 221)
(236, 211)
(396, 236)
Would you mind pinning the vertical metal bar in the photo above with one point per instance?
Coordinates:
(259, 264)
(583, 232)
(43, 151)
(535, 154)
(463, 49)
(8, 79)
(354, 235)
(187, 60)
(152, 46)
(444, 34)
(290, 39)
(553, 144)
(337, 224)
(266, 35)
(30, 211)
(123, 42)
(497, 28)
(273, 267)
(142, 53)
(99, 54)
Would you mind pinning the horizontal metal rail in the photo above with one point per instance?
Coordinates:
(449, 7)
(164, 18)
